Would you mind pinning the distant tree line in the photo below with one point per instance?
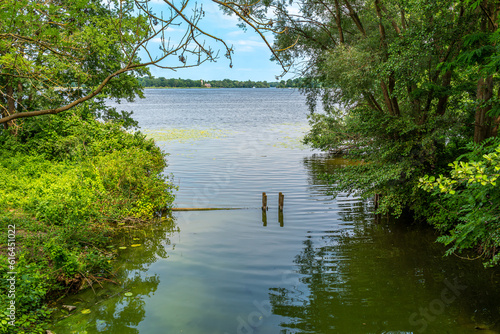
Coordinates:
(151, 81)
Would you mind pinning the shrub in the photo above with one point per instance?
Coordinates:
(467, 205)
(67, 179)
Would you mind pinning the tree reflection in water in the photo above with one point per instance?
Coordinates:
(111, 310)
(359, 276)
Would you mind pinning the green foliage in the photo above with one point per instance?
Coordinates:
(63, 169)
(66, 52)
(467, 205)
(394, 153)
(404, 85)
(68, 179)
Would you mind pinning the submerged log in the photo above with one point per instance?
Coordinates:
(203, 209)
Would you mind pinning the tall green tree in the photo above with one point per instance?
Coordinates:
(404, 85)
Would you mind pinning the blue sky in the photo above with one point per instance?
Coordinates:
(250, 59)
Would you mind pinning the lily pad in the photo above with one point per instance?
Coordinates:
(86, 311)
(136, 239)
(122, 247)
(128, 294)
(135, 245)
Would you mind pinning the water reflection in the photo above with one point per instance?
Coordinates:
(281, 219)
(112, 310)
(381, 278)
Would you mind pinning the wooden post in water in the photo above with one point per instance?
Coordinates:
(376, 203)
(264, 202)
(281, 201)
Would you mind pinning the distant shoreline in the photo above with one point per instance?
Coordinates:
(172, 83)
(212, 87)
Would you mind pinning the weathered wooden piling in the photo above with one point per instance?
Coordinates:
(376, 202)
(264, 202)
(281, 201)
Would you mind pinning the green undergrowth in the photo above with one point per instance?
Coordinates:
(68, 185)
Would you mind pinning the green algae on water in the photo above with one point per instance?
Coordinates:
(184, 135)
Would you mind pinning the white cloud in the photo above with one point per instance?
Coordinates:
(247, 45)
(171, 29)
(155, 40)
(294, 9)
(235, 33)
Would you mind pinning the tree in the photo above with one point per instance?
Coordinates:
(74, 51)
(403, 83)
(480, 52)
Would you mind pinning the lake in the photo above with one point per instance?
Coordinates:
(323, 265)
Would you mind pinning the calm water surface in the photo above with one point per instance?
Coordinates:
(323, 266)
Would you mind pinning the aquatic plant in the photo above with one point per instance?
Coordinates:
(184, 135)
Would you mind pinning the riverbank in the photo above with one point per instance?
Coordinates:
(70, 185)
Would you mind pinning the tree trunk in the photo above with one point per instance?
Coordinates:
(387, 98)
(339, 21)
(355, 17)
(443, 100)
(381, 28)
(496, 121)
(482, 125)
(372, 102)
(394, 99)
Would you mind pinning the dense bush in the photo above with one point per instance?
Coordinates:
(68, 181)
(393, 154)
(466, 204)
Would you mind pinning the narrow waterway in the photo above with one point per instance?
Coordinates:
(323, 266)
